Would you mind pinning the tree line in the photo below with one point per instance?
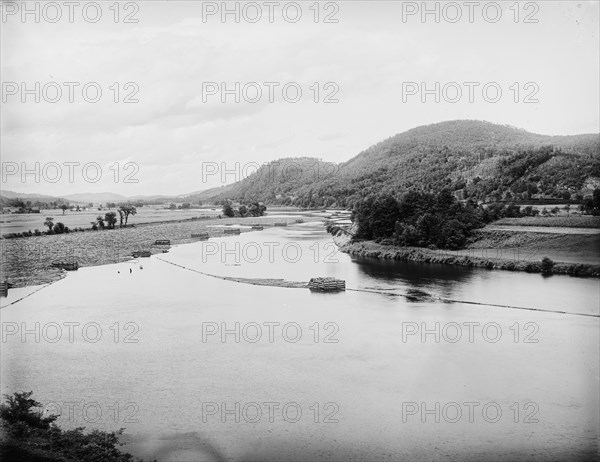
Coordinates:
(255, 209)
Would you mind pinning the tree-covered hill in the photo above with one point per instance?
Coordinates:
(474, 159)
(282, 181)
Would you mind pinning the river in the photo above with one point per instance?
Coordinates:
(199, 368)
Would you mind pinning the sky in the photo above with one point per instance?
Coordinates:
(166, 119)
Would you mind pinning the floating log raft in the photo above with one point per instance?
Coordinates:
(258, 227)
(162, 242)
(141, 253)
(73, 266)
(232, 231)
(201, 236)
(283, 223)
(326, 284)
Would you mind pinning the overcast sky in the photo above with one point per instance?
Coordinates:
(369, 56)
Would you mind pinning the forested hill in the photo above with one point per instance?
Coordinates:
(478, 160)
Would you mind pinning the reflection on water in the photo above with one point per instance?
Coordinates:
(367, 376)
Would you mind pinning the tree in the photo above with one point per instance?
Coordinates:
(547, 265)
(111, 219)
(592, 206)
(256, 209)
(59, 228)
(384, 214)
(19, 413)
(228, 210)
(64, 207)
(125, 211)
(49, 223)
(243, 210)
(121, 216)
(100, 220)
(567, 208)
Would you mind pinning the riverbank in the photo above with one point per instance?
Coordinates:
(28, 261)
(574, 255)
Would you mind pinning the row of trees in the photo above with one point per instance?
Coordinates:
(254, 209)
(110, 218)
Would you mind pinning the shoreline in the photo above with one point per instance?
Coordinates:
(465, 257)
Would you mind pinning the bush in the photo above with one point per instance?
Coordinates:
(228, 210)
(547, 265)
(28, 435)
(532, 267)
(59, 228)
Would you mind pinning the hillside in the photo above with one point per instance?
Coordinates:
(478, 160)
(282, 181)
(9, 199)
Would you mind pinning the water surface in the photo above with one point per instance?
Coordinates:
(363, 385)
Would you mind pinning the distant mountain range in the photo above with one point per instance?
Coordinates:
(476, 159)
(83, 198)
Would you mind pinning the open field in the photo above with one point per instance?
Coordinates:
(573, 221)
(533, 246)
(18, 223)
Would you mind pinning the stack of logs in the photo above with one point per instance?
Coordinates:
(326, 284)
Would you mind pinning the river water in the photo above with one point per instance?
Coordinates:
(200, 368)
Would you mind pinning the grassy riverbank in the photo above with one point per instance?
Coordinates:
(28, 261)
(573, 254)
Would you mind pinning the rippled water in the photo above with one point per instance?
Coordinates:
(173, 387)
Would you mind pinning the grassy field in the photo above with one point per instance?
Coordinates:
(18, 223)
(528, 246)
(573, 221)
